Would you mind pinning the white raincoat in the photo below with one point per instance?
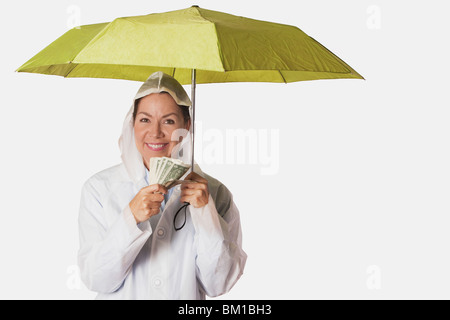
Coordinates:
(122, 260)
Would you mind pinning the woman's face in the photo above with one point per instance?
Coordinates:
(157, 117)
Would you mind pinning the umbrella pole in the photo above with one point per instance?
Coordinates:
(193, 85)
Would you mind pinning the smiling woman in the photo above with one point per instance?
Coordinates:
(155, 118)
(129, 245)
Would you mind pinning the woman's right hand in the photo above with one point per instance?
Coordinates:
(147, 202)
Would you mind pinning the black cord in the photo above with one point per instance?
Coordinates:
(176, 214)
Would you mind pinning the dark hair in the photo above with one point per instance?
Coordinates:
(184, 110)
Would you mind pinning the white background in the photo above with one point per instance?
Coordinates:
(359, 206)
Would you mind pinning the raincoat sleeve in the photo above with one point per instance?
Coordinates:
(218, 240)
(108, 246)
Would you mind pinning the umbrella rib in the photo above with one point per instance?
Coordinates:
(219, 47)
(282, 76)
(71, 69)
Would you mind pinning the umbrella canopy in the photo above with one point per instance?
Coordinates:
(193, 45)
(219, 46)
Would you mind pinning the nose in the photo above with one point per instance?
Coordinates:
(155, 131)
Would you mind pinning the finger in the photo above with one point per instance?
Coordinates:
(196, 177)
(154, 205)
(188, 199)
(194, 201)
(153, 197)
(200, 193)
(155, 188)
(194, 185)
(193, 192)
(194, 197)
(154, 212)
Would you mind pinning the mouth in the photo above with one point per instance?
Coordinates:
(156, 147)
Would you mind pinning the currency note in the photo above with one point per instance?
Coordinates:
(164, 170)
(175, 173)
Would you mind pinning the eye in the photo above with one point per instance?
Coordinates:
(145, 120)
(169, 121)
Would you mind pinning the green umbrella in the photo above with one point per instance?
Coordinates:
(194, 45)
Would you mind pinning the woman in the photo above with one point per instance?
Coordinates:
(130, 245)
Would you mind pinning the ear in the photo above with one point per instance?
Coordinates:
(188, 125)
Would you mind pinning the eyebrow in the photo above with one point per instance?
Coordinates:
(150, 116)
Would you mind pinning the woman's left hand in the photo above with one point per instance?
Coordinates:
(196, 193)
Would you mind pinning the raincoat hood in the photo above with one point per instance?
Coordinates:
(132, 159)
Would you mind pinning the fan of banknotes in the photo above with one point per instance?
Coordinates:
(166, 171)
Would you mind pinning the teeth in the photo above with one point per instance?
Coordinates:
(155, 146)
